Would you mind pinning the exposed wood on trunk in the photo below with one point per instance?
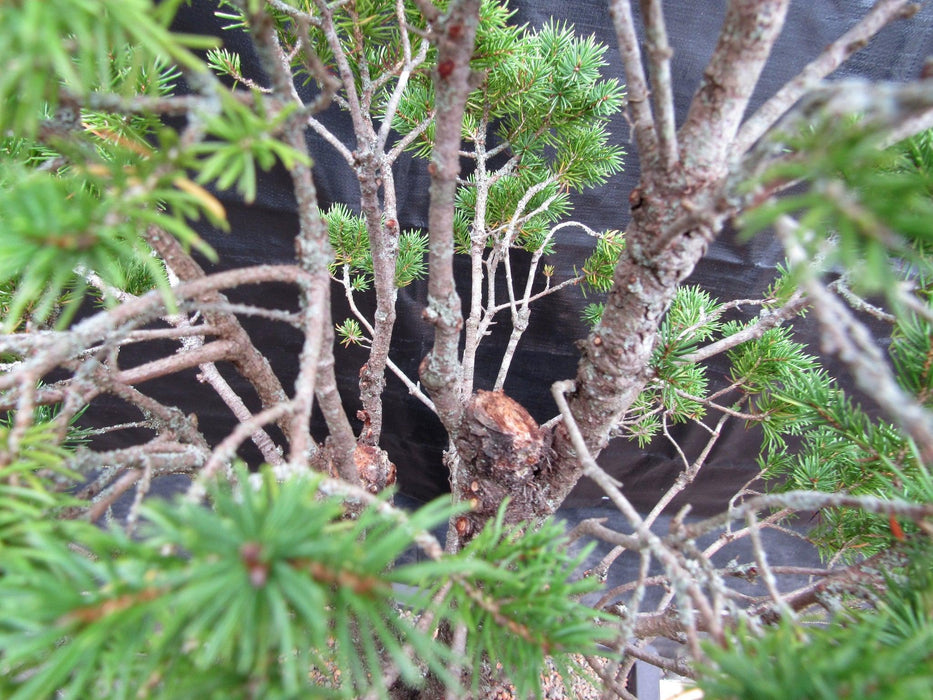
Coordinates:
(503, 451)
(373, 467)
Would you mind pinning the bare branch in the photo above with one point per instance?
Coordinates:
(689, 474)
(247, 360)
(315, 306)
(342, 442)
(316, 370)
(410, 63)
(326, 134)
(271, 452)
(343, 67)
(440, 370)
(764, 569)
(750, 29)
(413, 388)
(811, 501)
(124, 484)
(678, 666)
(858, 303)
(224, 452)
(591, 469)
(636, 83)
(833, 56)
(767, 319)
(662, 92)
(210, 352)
(845, 335)
(293, 12)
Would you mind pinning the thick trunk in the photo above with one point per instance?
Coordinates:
(681, 175)
(440, 370)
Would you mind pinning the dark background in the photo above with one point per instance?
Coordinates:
(264, 232)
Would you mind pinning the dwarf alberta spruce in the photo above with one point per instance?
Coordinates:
(120, 139)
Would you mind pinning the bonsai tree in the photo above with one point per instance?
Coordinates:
(296, 576)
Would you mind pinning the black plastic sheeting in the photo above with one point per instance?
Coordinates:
(264, 233)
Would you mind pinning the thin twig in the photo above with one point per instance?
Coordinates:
(124, 484)
(767, 319)
(666, 556)
(811, 501)
(224, 452)
(691, 470)
(764, 569)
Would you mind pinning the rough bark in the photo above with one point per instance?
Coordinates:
(500, 451)
(615, 361)
(503, 452)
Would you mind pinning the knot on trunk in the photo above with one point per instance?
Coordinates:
(501, 448)
(498, 436)
(374, 469)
